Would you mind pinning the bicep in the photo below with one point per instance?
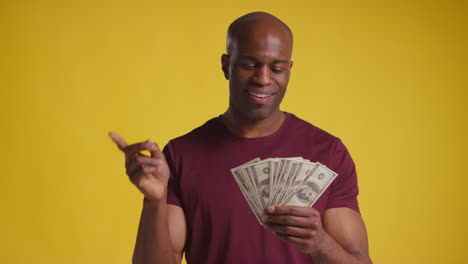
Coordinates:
(177, 229)
(347, 227)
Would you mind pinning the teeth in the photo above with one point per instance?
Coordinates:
(260, 95)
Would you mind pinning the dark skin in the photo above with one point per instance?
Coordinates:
(258, 67)
(258, 63)
(258, 72)
(157, 240)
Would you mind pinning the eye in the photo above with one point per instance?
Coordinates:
(248, 66)
(277, 69)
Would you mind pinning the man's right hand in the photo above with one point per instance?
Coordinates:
(149, 174)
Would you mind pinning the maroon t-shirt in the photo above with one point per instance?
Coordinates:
(221, 228)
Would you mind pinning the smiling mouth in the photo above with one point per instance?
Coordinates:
(260, 95)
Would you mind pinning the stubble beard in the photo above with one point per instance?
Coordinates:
(249, 114)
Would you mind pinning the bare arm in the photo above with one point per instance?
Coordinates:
(347, 241)
(340, 237)
(162, 230)
(161, 234)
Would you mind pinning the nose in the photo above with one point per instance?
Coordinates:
(263, 76)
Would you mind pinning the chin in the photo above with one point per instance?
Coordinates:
(258, 114)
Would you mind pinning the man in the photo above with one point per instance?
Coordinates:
(192, 203)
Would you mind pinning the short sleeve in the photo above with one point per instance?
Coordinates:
(344, 189)
(173, 186)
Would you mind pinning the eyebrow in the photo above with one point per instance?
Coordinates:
(255, 59)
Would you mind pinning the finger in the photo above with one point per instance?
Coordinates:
(291, 239)
(141, 160)
(281, 236)
(292, 230)
(292, 210)
(118, 140)
(138, 147)
(155, 152)
(139, 172)
(290, 220)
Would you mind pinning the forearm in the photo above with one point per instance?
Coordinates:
(331, 252)
(153, 243)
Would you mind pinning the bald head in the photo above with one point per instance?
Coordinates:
(253, 25)
(258, 65)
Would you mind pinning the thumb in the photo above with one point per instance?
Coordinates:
(154, 150)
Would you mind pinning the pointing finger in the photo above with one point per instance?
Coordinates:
(118, 140)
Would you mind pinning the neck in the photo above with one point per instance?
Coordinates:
(246, 128)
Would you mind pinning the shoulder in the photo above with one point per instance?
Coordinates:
(304, 129)
(200, 135)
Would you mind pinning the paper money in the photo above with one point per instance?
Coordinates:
(281, 181)
(246, 188)
(312, 187)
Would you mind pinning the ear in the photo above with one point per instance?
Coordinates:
(225, 60)
(290, 65)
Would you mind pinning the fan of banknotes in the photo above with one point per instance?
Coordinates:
(281, 181)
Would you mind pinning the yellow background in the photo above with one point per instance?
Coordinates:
(388, 77)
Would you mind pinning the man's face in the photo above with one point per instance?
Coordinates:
(258, 69)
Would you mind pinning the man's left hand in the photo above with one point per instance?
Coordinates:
(301, 226)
